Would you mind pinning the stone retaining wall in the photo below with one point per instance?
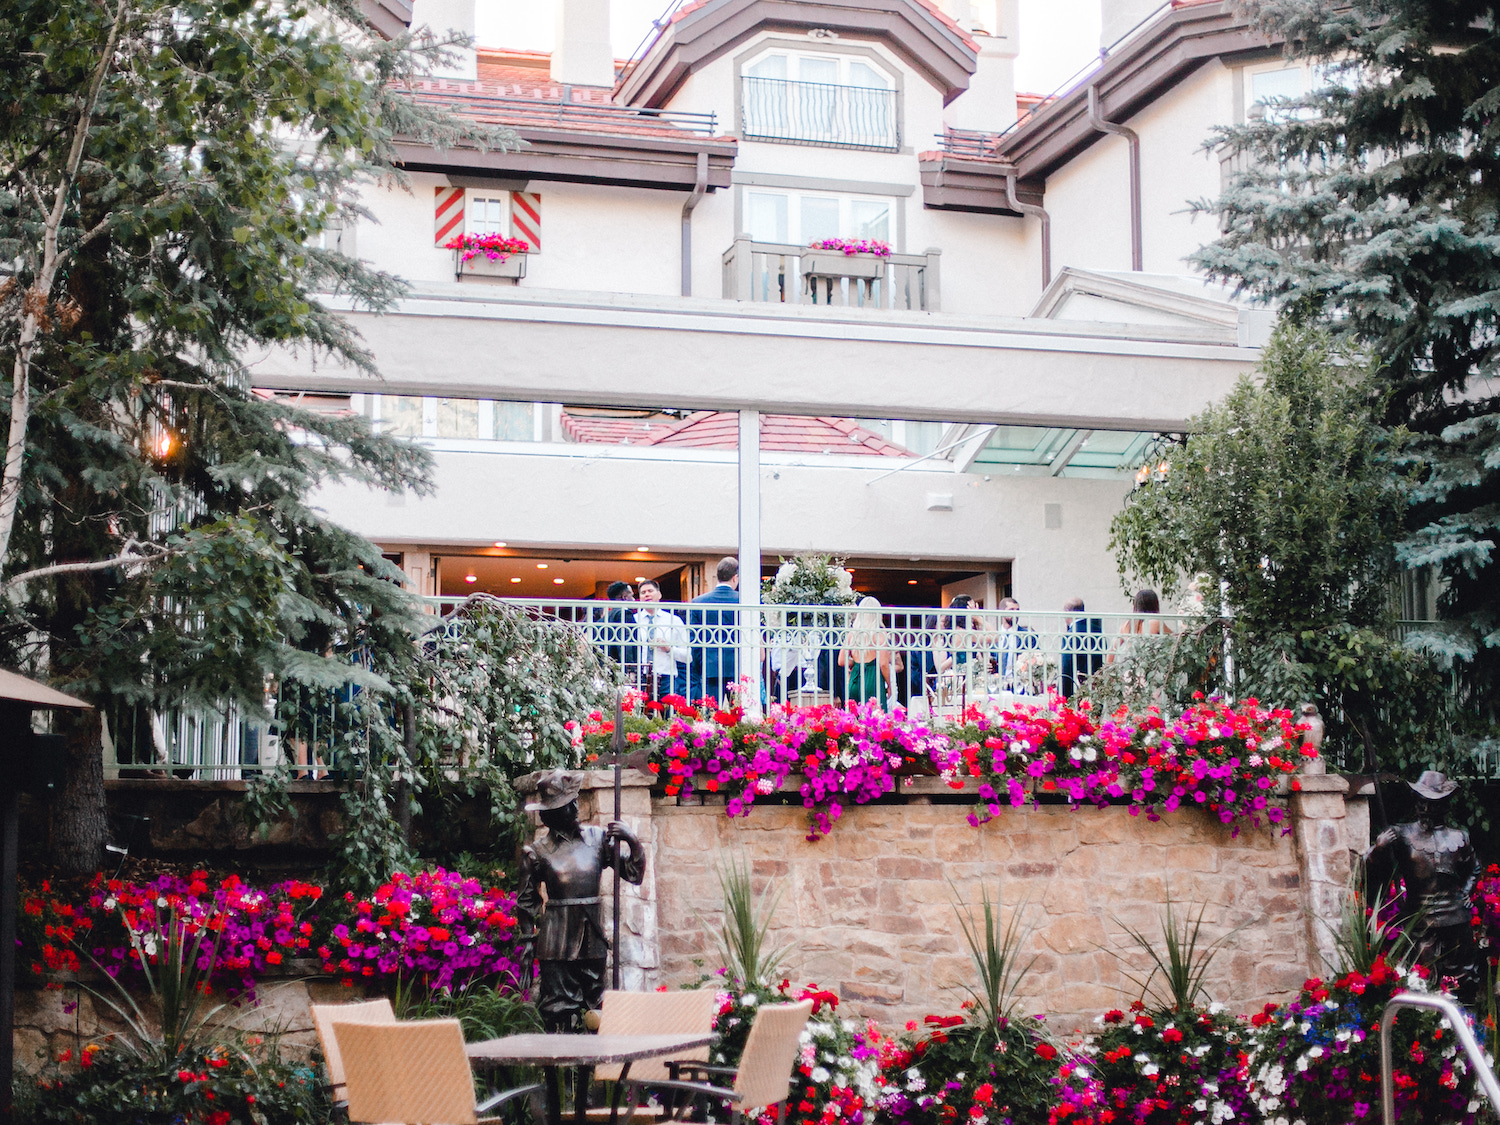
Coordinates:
(868, 910)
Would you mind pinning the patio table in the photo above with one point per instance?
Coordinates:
(582, 1052)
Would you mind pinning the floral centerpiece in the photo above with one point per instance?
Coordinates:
(852, 246)
(494, 247)
(437, 927)
(810, 580)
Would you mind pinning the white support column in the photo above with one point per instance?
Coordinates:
(750, 645)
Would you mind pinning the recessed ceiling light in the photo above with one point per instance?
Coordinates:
(471, 578)
(515, 580)
(909, 581)
(541, 566)
(850, 569)
(557, 581)
(499, 543)
(643, 548)
(640, 578)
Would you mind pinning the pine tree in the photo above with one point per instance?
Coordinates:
(173, 178)
(1375, 202)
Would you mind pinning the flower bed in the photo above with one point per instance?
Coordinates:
(494, 247)
(435, 927)
(1225, 759)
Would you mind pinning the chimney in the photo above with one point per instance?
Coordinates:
(444, 18)
(989, 104)
(581, 54)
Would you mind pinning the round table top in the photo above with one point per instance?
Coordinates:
(581, 1050)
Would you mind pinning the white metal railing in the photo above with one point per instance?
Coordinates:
(780, 272)
(928, 660)
(1482, 1068)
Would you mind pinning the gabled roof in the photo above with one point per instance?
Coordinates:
(1183, 301)
(915, 30)
(969, 173)
(709, 429)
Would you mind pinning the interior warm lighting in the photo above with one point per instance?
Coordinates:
(1141, 474)
(498, 543)
(850, 569)
(640, 578)
(643, 549)
(911, 581)
(557, 581)
(163, 444)
(1164, 468)
(515, 580)
(541, 566)
(471, 578)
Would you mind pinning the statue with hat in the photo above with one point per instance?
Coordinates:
(1438, 865)
(567, 861)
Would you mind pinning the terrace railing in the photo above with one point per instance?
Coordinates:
(817, 113)
(933, 662)
(784, 273)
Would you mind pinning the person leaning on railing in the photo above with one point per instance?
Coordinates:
(1144, 603)
(869, 664)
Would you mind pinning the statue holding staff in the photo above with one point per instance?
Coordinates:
(1440, 869)
(568, 862)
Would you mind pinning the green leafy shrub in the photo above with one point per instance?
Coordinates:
(243, 1084)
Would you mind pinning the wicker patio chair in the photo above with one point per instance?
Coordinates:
(324, 1015)
(413, 1073)
(764, 1076)
(651, 1013)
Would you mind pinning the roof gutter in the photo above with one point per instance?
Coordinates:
(1040, 213)
(700, 185)
(1096, 119)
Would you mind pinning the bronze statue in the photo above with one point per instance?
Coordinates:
(1440, 870)
(569, 861)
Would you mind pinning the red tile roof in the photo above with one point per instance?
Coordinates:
(708, 429)
(616, 431)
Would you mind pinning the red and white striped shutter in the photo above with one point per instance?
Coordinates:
(526, 217)
(447, 215)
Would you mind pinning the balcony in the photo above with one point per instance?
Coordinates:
(776, 272)
(814, 113)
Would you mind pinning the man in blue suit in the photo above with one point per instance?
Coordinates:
(714, 634)
(1082, 649)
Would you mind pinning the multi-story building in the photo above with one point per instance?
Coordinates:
(670, 374)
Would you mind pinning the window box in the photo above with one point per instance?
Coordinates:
(512, 266)
(835, 263)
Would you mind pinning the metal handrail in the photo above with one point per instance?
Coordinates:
(1458, 1018)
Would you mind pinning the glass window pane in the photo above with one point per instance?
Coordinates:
(872, 219)
(458, 417)
(818, 70)
(1276, 84)
(768, 217)
(513, 421)
(772, 66)
(401, 415)
(820, 218)
(486, 215)
(863, 74)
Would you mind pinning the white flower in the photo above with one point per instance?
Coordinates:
(161, 902)
(1200, 1105)
(1090, 754)
(749, 1000)
(765, 785)
(1149, 1069)
(914, 1081)
(1415, 982)
(111, 903)
(819, 1073)
(1315, 1053)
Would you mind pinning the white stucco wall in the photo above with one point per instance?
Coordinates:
(614, 498)
(1089, 198)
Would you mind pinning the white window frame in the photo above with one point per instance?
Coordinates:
(795, 236)
(802, 108)
(474, 196)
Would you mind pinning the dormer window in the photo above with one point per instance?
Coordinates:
(812, 98)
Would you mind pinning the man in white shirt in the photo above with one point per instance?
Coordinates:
(664, 636)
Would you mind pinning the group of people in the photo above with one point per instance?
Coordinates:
(812, 656)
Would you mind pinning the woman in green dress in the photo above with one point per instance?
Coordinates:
(866, 655)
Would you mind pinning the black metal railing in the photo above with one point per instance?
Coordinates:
(816, 113)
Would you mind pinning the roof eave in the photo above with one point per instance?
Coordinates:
(911, 30)
(1143, 70)
(660, 163)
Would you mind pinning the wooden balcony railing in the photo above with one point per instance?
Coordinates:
(796, 275)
